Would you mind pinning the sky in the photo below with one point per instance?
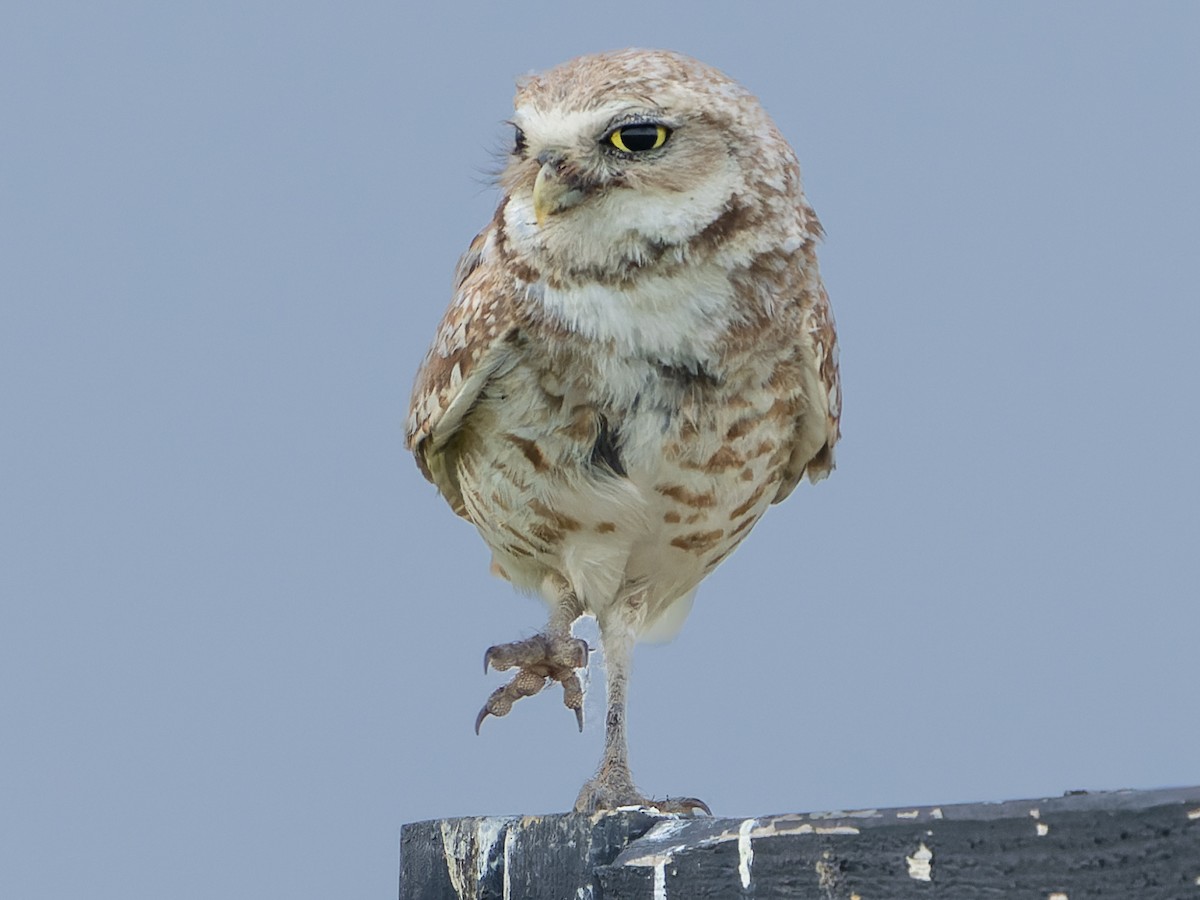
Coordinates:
(241, 637)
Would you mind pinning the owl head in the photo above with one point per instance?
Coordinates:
(630, 158)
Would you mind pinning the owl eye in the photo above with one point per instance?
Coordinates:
(639, 138)
(518, 141)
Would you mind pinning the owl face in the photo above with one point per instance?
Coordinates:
(618, 156)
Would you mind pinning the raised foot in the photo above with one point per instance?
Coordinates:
(540, 658)
(598, 795)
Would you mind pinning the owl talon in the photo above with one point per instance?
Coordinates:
(573, 695)
(538, 659)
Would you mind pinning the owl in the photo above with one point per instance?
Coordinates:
(639, 358)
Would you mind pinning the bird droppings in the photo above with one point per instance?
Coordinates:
(920, 864)
(1058, 895)
(467, 848)
(747, 831)
(1194, 814)
(654, 859)
(1042, 829)
(453, 858)
(935, 813)
(909, 814)
(745, 851)
(671, 825)
(508, 842)
(660, 880)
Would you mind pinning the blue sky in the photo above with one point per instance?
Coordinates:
(240, 636)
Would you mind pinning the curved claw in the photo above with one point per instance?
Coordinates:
(483, 714)
(489, 656)
(578, 718)
(581, 661)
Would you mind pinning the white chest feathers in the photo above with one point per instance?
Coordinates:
(677, 319)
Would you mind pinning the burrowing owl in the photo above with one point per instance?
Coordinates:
(638, 360)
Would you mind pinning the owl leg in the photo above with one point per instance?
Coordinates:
(612, 786)
(554, 654)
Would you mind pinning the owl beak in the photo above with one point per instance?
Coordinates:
(551, 194)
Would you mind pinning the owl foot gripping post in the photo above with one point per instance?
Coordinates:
(612, 786)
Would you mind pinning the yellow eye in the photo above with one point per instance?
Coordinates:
(639, 138)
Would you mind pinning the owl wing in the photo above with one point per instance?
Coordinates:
(820, 348)
(471, 347)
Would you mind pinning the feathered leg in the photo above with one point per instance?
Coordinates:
(613, 786)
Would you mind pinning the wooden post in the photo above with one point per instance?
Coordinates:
(1134, 845)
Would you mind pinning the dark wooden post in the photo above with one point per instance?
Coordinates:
(1135, 845)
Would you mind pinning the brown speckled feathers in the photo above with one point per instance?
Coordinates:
(638, 360)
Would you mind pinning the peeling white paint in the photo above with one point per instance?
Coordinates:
(841, 814)
(1042, 828)
(782, 825)
(745, 851)
(660, 881)
(920, 864)
(935, 813)
(911, 814)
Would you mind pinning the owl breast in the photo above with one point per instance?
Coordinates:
(632, 479)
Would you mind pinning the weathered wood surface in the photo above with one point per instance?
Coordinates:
(1135, 845)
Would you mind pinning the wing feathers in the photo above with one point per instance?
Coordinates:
(820, 426)
(472, 345)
